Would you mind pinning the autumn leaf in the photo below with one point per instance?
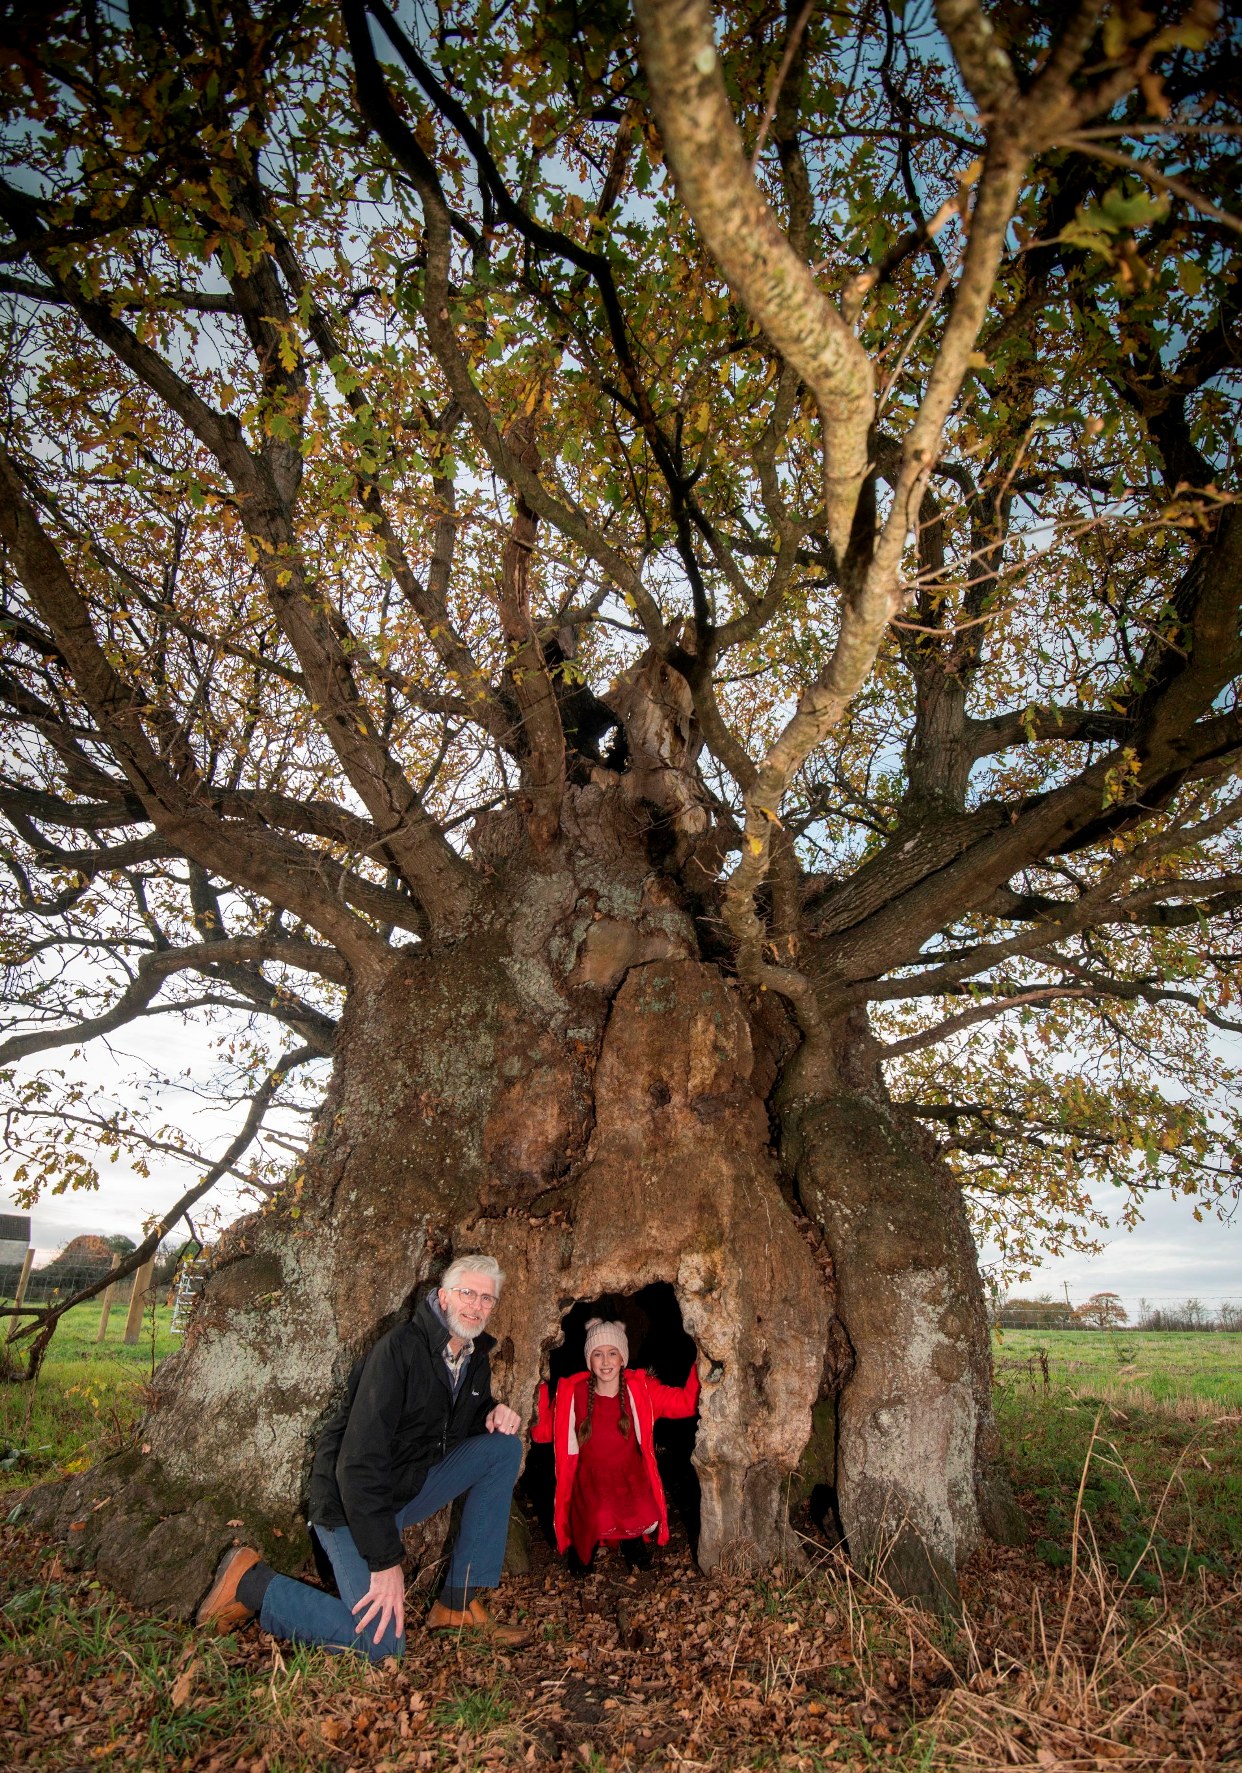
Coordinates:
(181, 1688)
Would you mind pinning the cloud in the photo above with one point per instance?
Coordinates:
(1167, 1258)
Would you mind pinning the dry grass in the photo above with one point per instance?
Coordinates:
(1128, 1393)
(1124, 1652)
(1106, 1679)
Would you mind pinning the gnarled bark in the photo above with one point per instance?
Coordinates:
(918, 1473)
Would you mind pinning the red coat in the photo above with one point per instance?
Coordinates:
(649, 1401)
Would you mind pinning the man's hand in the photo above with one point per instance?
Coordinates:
(503, 1420)
(384, 1602)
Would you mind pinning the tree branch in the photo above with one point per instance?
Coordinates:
(442, 880)
(46, 1318)
(718, 188)
(542, 730)
(1095, 906)
(1148, 171)
(982, 1012)
(274, 866)
(984, 63)
(206, 957)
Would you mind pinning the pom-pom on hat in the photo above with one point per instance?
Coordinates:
(602, 1334)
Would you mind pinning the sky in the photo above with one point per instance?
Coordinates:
(166, 1046)
(1165, 1260)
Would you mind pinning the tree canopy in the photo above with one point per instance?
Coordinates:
(376, 398)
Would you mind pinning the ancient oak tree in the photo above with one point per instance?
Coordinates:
(658, 592)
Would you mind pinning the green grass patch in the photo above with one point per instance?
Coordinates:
(88, 1399)
(1162, 1495)
(1163, 1492)
(1189, 1372)
(474, 1708)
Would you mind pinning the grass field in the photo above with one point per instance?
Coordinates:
(1110, 1639)
(1161, 1413)
(87, 1400)
(1189, 1372)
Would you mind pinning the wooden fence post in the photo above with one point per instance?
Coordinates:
(19, 1297)
(137, 1299)
(108, 1297)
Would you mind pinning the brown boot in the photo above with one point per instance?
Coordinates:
(221, 1609)
(476, 1617)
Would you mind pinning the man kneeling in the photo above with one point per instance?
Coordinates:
(418, 1428)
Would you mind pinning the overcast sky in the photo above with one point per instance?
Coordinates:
(1166, 1259)
(166, 1047)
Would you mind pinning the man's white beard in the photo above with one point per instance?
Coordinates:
(457, 1328)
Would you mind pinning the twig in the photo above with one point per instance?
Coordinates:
(1153, 175)
(45, 1320)
(957, 628)
(791, 50)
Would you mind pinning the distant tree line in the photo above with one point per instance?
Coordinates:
(1105, 1311)
(1192, 1314)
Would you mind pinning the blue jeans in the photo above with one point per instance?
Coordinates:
(484, 1470)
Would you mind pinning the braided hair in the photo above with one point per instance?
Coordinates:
(584, 1433)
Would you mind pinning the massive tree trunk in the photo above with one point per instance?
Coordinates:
(565, 1076)
(575, 1089)
(571, 1089)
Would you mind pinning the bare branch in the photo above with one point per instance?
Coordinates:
(1099, 904)
(46, 1318)
(981, 1012)
(177, 301)
(442, 879)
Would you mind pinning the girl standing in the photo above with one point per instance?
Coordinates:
(608, 1487)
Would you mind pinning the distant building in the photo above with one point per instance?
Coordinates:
(14, 1239)
(14, 1243)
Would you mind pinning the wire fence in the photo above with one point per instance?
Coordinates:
(47, 1286)
(1107, 1311)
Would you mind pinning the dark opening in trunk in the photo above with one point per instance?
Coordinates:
(659, 1343)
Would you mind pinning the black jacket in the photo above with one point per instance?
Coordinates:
(399, 1418)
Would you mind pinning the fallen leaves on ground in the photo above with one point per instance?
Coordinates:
(670, 1669)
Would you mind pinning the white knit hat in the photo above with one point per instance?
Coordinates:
(601, 1334)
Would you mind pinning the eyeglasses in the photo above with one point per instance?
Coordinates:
(484, 1301)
